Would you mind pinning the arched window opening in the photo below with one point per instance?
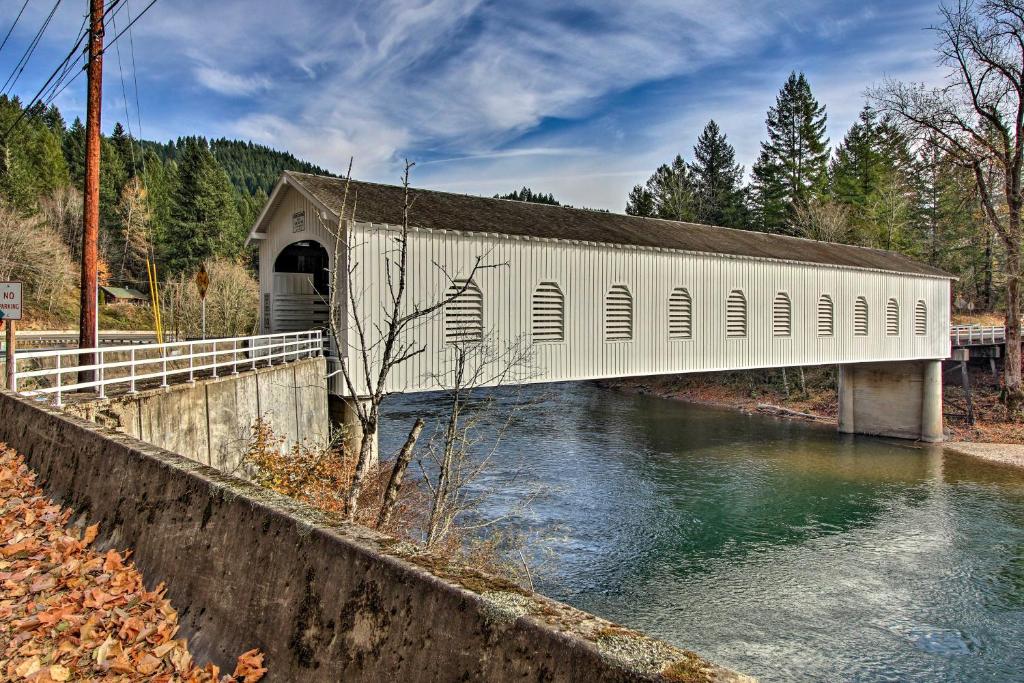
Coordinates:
(464, 313)
(860, 317)
(826, 316)
(736, 314)
(782, 316)
(921, 318)
(680, 314)
(548, 313)
(306, 258)
(618, 314)
(892, 318)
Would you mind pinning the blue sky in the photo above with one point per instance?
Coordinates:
(580, 99)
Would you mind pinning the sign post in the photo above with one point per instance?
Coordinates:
(10, 310)
(202, 284)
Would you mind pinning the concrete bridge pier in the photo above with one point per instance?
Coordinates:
(901, 399)
(343, 416)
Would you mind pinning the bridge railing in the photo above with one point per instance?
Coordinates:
(971, 335)
(55, 373)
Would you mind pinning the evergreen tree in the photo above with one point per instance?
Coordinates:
(528, 195)
(31, 161)
(73, 144)
(874, 175)
(641, 202)
(792, 166)
(717, 180)
(204, 219)
(125, 146)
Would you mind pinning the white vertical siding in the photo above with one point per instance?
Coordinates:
(585, 274)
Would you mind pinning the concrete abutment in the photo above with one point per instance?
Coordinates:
(901, 399)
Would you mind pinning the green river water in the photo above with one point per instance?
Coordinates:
(777, 548)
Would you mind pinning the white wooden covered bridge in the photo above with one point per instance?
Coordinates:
(600, 295)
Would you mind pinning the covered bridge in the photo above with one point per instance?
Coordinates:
(599, 295)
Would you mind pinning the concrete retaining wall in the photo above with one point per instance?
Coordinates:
(210, 421)
(248, 568)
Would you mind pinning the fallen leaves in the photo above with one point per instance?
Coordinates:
(69, 613)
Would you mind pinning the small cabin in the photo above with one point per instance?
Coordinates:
(121, 295)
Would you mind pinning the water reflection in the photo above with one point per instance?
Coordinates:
(782, 549)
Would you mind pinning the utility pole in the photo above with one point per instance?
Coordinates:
(87, 333)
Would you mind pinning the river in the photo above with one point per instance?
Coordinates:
(777, 548)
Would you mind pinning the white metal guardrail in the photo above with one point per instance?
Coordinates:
(977, 335)
(41, 373)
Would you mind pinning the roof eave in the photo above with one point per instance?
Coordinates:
(259, 228)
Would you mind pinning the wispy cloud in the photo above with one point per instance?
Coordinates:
(227, 83)
(578, 96)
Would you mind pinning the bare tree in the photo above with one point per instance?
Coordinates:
(822, 219)
(459, 457)
(377, 348)
(977, 119)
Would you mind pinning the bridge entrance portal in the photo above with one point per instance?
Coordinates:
(301, 288)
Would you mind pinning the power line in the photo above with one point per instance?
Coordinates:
(19, 68)
(139, 16)
(67, 66)
(113, 42)
(11, 29)
(63, 65)
(124, 96)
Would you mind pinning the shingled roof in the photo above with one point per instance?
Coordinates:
(447, 211)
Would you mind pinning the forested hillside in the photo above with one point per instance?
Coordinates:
(181, 201)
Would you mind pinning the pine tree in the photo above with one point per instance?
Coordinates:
(125, 146)
(527, 195)
(31, 161)
(73, 144)
(641, 202)
(204, 219)
(874, 175)
(717, 180)
(793, 164)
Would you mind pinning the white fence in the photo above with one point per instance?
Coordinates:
(45, 372)
(977, 335)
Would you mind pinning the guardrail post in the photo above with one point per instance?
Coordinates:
(100, 388)
(163, 355)
(59, 401)
(215, 359)
(234, 356)
(131, 371)
(270, 351)
(191, 363)
(252, 352)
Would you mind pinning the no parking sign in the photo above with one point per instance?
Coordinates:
(10, 301)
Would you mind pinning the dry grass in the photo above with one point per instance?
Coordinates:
(983, 319)
(320, 476)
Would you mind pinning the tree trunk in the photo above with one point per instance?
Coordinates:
(362, 465)
(1014, 395)
(785, 383)
(397, 472)
(986, 291)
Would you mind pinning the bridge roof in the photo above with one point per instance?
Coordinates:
(380, 203)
